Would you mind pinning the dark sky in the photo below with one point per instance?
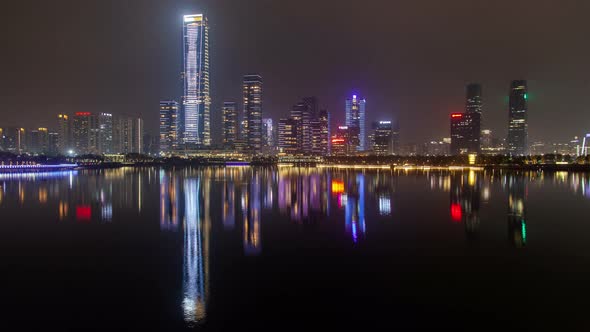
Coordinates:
(408, 58)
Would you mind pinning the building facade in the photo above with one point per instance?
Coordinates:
(465, 133)
(229, 120)
(64, 134)
(383, 138)
(288, 136)
(196, 100)
(517, 125)
(168, 126)
(356, 121)
(252, 92)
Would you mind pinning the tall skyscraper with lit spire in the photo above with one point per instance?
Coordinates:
(356, 122)
(517, 125)
(196, 100)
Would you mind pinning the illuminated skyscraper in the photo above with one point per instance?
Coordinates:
(252, 88)
(64, 134)
(473, 101)
(517, 126)
(81, 132)
(230, 124)
(288, 136)
(355, 120)
(39, 141)
(465, 133)
(168, 126)
(383, 138)
(320, 134)
(268, 133)
(196, 100)
(127, 135)
(105, 133)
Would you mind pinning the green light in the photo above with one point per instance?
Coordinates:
(525, 96)
(523, 229)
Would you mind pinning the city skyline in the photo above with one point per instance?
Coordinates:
(132, 72)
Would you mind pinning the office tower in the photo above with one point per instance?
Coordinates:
(230, 124)
(486, 139)
(517, 126)
(355, 120)
(340, 142)
(288, 136)
(105, 133)
(309, 113)
(252, 88)
(465, 132)
(320, 134)
(64, 134)
(168, 126)
(151, 144)
(196, 100)
(53, 143)
(473, 101)
(2, 146)
(267, 133)
(395, 145)
(14, 139)
(81, 132)
(39, 141)
(127, 135)
(383, 138)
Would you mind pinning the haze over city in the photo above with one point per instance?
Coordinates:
(411, 60)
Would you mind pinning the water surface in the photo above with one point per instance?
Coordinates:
(288, 248)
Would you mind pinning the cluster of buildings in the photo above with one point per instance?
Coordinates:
(185, 126)
(80, 134)
(468, 135)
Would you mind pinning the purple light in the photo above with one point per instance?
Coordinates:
(37, 166)
(353, 96)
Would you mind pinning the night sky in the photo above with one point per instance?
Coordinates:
(410, 59)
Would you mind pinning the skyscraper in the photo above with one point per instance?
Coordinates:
(288, 136)
(252, 88)
(517, 126)
(320, 134)
(105, 133)
(168, 125)
(268, 133)
(383, 138)
(196, 100)
(230, 124)
(465, 133)
(64, 134)
(81, 132)
(127, 135)
(355, 120)
(473, 101)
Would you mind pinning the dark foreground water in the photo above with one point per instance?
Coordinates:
(288, 248)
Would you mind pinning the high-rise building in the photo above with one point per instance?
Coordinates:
(168, 126)
(127, 135)
(230, 124)
(288, 136)
(395, 145)
(105, 133)
(383, 138)
(356, 121)
(320, 134)
(53, 143)
(268, 133)
(64, 134)
(465, 132)
(196, 100)
(81, 131)
(252, 88)
(39, 141)
(340, 142)
(473, 101)
(517, 126)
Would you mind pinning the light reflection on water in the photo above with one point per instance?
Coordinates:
(191, 201)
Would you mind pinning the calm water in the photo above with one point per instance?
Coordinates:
(252, 248)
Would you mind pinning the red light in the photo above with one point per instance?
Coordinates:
(457, 115)
(82, 113)
(337, 140)
(456, 213)
(83, 212)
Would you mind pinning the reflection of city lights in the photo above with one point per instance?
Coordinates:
(107, 212)
(83, 212)
(42, 195)
(342, 200)
(456, 212)
(523, 231)
(471, 178)
(384, 205)
(337, 186)
(63, 210)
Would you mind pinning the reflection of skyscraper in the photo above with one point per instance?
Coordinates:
(196, 255)
(354, 210)
(169, 201)
(252, 245)
(465, 201)
(196, 100)
(229, 203)
(517, 227)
